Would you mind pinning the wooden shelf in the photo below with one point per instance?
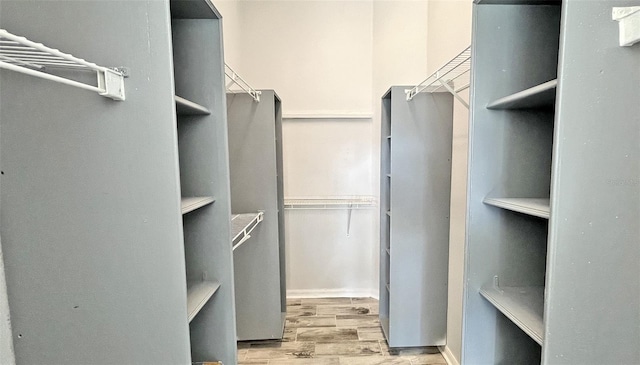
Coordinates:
(522, 305)
(186, 107)
(198, 294)
(190, 204)
(540, 96)
(538, 207)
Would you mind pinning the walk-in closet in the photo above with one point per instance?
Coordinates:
(319, 182)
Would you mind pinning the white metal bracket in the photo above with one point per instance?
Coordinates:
(629, 24)
(455, 93)
(234, 78)
(35, 59)
(449, 76)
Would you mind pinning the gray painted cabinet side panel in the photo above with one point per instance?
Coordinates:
(385, 196)
(90, 218)
(7, 354)
(594, 270)
(421, 131)
(281, 222)
(254, 187)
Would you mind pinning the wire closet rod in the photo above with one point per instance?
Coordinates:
(446, 76)
(22, 55)
(239, 81)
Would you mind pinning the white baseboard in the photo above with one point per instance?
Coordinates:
(332, 293)
(448, 355)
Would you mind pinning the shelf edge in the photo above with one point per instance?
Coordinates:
(511, 101)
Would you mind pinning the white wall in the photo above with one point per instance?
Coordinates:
(330, 61)
(326, 157)
(449, 33)
(315, 54)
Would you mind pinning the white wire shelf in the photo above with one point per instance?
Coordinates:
(35, 59)
(235, 79)
(352, 202)
(242, 225)
(453, 77)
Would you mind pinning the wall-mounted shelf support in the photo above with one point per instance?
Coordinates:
(453, 76)
(234, 78)
(454, 93)
(24, 56)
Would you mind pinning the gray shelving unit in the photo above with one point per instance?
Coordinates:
(200, 97)
(554, 198)
(255, 151)
(414, 242)
(115, 215)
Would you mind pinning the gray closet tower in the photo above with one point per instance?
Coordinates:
(115, 214)
(255, 152)
(552, 271)
(415, 192)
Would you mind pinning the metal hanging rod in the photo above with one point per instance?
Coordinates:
(22, 55)
(234, 78)
(453, 76)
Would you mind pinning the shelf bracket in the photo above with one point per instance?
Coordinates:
(454, 93)
(234, 78)
(349, 218)
(628, 19)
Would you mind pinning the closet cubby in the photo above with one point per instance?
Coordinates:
(198, 66)
(528, 212)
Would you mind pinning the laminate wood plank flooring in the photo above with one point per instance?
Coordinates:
(333, 331)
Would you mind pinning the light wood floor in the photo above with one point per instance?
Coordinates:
(333, 331)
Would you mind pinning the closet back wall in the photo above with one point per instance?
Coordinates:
(330, 61)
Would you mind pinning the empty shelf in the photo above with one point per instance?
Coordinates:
(522, 305)
(198, 294)
(538, 207)
(388, 137)
(186, 107)
(242, 225)
(388, 175)
(388, 286)
(540, 96)
(388, 252)
(192, 203)
(389, 213)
